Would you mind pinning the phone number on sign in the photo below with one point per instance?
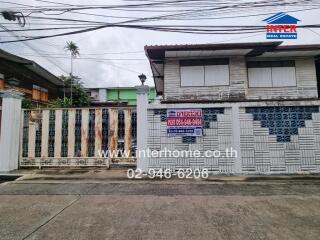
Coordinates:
(168, 173)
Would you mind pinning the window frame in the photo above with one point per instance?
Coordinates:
(272, 64)
(204, 62)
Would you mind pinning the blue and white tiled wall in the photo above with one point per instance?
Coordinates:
(217, 135)
(283, 139)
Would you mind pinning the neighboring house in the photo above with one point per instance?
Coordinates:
(28, 77)
(118, 95)
(261, 99)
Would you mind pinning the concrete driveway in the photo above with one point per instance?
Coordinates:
(160, 210)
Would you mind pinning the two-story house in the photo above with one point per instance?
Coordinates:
(258, 98)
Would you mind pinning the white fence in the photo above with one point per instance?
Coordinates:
(76, 137)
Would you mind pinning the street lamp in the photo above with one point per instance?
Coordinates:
(142, 78)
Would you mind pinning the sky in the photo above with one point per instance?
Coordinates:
(121, 43)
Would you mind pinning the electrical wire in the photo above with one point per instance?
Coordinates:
(82, 25)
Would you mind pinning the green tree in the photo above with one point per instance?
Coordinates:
(74, 52)
(27, 104)
(81, 98)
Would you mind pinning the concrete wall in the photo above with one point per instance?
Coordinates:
(217, 137)
(274, 137)
(262, 152)
(238, 88)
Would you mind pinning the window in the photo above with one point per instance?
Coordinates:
(36, 93)
(39, 93)
(192, 76)
(216, 75)
(260, 77)
(272, 74)
(204, 72)
(2, 84)
(284, 76)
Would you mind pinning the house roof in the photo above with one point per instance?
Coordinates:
(281, 18)
(253, 49)
(158, 53)
(32, 66)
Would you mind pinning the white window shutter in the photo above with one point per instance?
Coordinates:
(284, 76)
(216, 75)
(259, 77)
(192, 76)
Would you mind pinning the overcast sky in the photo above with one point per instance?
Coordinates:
(129, 43)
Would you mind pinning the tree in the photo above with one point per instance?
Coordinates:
(28, 104)
(81, 97)
(74, 52)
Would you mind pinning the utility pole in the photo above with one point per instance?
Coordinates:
(71, 77)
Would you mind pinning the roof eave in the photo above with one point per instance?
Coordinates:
(32, 66)
(39, 70)
(158, 52)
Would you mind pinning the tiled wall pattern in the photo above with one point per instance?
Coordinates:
(280, 139)
(217, 135)
(272, 140)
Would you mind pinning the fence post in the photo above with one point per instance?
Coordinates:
(10, 130)
(142, 126)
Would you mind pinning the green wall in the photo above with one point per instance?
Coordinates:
(127, 95)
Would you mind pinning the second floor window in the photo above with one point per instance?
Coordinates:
(204, 72)
(271, 74)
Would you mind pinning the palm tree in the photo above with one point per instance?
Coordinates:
(74, 52)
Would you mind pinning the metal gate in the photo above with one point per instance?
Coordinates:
(78, 137)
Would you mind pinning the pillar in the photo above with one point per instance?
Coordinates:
(142, 126)
(10, 130)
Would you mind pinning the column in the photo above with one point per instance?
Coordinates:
(142, 126)
(10, 130)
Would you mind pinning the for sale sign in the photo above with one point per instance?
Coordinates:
(184, 122)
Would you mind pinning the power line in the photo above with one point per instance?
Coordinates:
(84, 54)
(87, 58)
(89, 26)
(35, 50)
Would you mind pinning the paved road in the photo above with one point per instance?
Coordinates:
(160, 210)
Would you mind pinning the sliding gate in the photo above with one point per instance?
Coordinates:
(78, 137)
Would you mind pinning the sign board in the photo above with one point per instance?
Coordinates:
(281, 26)
(184, 122)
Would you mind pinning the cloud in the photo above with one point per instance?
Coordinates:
(105, 73)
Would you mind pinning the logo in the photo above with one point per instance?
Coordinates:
(281, 26)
